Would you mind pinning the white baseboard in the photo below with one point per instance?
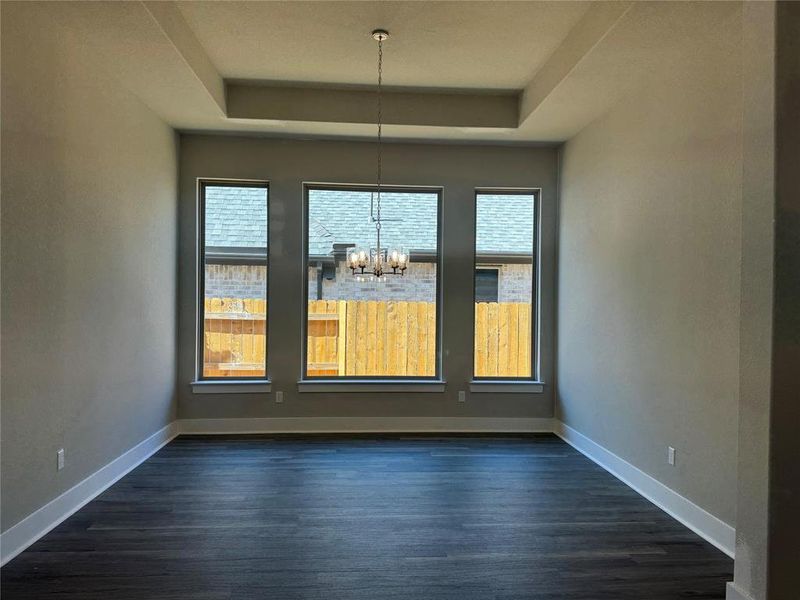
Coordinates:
(34, 526)
(703, 523)
(366, 425)
(732, 592)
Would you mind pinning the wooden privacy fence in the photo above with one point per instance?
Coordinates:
(235, 337)
(380, 338)
(502, 339)
(366, 338)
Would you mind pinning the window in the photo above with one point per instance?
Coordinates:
(233, 280)
(505, 285)
(486, 282)
(359, 327)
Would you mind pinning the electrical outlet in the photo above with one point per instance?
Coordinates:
(671, 455)
(279, 397)
(60, 459)
(462, 396)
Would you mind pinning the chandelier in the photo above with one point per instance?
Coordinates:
(378, 261)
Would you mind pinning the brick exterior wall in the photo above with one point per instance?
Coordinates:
(418, 284)
(236, 281)
(514, 283)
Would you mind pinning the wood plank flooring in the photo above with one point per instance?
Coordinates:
(412, 518)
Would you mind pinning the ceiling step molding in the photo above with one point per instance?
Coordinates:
(279, 102)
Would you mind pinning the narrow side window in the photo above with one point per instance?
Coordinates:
(505, 285)
(233, 280)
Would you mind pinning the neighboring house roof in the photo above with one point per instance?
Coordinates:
(320, 238)
(504, 224)
(408, 220)
(236, 217)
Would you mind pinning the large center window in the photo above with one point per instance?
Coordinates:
(360, 326)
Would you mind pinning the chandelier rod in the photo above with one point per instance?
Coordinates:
(379, 35)
(396, 262)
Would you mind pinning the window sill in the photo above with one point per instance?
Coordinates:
(388, 385)
(240, 386)
(505, 387)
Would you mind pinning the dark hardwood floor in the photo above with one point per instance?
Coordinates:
(413, 518)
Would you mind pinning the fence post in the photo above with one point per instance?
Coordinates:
(341, 340)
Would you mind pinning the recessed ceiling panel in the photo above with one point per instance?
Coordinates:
(486, 45)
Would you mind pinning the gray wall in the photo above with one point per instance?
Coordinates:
(286, 164)
(784, 517)
(768, 524)
(758, 237)
(88, 264)
(648, 279)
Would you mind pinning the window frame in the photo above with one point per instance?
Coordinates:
(202, 184)
(373, 379)
(535, 283)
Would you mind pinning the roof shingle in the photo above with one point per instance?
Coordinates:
(237, 217)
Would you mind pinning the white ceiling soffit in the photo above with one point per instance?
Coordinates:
(501, 72)
(124, 40)
(469, 45)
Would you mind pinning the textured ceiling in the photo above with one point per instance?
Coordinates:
(566, 63)
(486, 45)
